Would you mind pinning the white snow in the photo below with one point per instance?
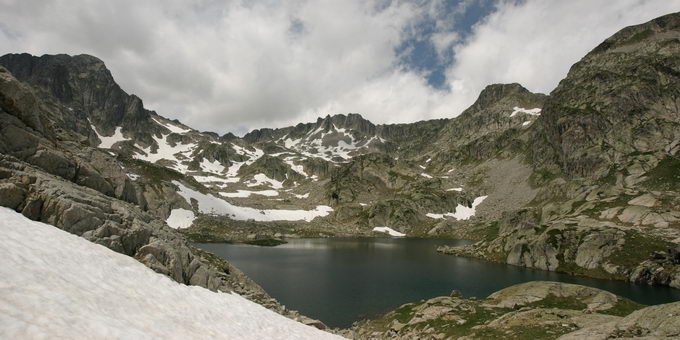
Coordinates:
(133, 177)
(56, 285)
(173, 128)
(455, 189)
(526, 123)
(215, 179)
(260, 179)
(462, 212)
(422, 167)
(180, 218)
(290, 143)
(210, 204)
(167, 151)
(532, 112)
(389, 230)
(252, 155)
(301, 196)
(232, 171)
(247, 193)
(425, 175)
(297, 168)
(214, 166)
(312, 144)
(107, 142)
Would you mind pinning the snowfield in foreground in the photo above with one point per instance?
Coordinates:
(58, 285)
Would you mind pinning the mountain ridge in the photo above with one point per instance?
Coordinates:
(562, 182)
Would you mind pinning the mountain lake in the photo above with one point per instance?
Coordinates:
(343, 280)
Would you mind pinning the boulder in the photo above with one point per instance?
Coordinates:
(11, 195)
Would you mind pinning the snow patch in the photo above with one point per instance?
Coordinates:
(56, 285)
(389, 230)
(462, 212)
(215, 179)
(297, 168)
(455, 189)
(168, 152)
(247, 193)
(173, 128)
(425, 175)
(107, 142)
(180, 218)
(214, 166)
(210, 204)
(260, 179)
(532, 112)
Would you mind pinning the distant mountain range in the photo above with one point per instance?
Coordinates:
(584, 180)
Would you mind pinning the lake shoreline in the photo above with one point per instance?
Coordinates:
(366, 259)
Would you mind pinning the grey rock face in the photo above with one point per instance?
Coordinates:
(619, 99)
(655, 322)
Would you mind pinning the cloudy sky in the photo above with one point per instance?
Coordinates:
(222, 65)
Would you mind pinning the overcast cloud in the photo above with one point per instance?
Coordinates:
(237, 65)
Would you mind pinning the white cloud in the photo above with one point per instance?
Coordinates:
(535, 42)
(235, 65)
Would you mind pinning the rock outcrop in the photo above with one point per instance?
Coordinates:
(533, 310)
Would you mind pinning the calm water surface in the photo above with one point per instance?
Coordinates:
(339, 281)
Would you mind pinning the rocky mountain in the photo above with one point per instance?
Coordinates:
(51, 171)
(606, 164)
(533, 310)
(583, 180)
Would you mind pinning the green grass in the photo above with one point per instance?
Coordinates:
(640, 36)
(491, 231)
(541, 176)
(526, 332)
(574, 269)
(665, 176)
(204, 236)
(623, 307)
(480, 316)
(213, 259)
(559, 302)
(637, 248)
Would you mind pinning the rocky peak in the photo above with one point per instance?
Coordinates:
(620, 100)
(83, 84)
(642, 33)
(495, 92)
(510, 95)
(501, 112)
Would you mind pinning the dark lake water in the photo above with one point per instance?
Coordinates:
(339, 281)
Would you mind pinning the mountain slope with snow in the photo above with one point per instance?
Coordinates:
(58, 285)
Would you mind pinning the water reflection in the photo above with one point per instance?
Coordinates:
(342, 280)
(340, 243)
